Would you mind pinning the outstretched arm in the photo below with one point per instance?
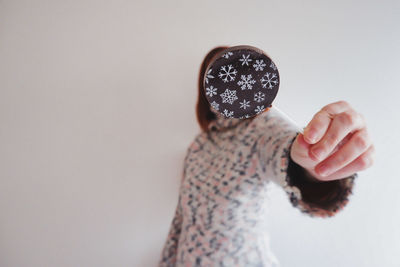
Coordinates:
(280, 139)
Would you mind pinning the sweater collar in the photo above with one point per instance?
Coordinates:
(221, 122)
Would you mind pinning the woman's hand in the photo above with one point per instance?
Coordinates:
(335, 143)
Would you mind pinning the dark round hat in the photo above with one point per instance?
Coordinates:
(241, 82)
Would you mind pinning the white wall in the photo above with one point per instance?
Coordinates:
(97, 108)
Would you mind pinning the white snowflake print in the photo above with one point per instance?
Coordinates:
(259, 96)
(245, 59)
(245, 116)
(227, 72)
(259, 65)
(229, 96)
(259, 109)
(272, 66)
(245, 104)
(269, 80)
(246, 82)
(215, 105)
(228, 113)
(211, 91)
(208, 75)
(227, 54)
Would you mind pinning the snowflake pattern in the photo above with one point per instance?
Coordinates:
(269, 80)
(245, 104)
(235, 75)
(245, 59)
(259, 96)
(208, 75)
(272, 66)
(229, 96)
(215, 105)
(211, 91)
(227, 72)
(227, 54)
(246, 82)
(259, 65)
(245, 116)
(228, 113)
(259, 109)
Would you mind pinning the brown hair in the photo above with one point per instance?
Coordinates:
(203, 111)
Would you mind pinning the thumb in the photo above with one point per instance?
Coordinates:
(301, 145)
(299, 152)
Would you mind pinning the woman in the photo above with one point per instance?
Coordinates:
(220, 215)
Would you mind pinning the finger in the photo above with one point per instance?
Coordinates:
(341, 125)
(317, 127)
(357, 145)
(299, 152)
(303, 144)
(364, 161)
(300, 148)
(341, 143)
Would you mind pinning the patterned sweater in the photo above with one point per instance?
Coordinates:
(220, 215)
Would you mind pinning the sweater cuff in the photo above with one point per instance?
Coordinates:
(316, 199)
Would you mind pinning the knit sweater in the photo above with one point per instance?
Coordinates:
(220, 217)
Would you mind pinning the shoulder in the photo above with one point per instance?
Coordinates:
(275, 119)
(195, 146)
(198, 142)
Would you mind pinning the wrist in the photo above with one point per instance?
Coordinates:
(308, 174)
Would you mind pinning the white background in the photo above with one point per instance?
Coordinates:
(97, 108)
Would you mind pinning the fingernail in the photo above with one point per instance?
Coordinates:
(311, 135)
(324, 170)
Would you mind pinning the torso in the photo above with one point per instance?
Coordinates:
(223, 198)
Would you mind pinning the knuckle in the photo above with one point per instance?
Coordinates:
(361, 141)
(365, 161)
(326, 109)
(373, 149)
(346, 118)
(332, 139)
(344, 103)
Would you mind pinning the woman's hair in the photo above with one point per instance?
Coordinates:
(203, 111)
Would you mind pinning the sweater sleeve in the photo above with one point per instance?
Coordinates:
(315, 199)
